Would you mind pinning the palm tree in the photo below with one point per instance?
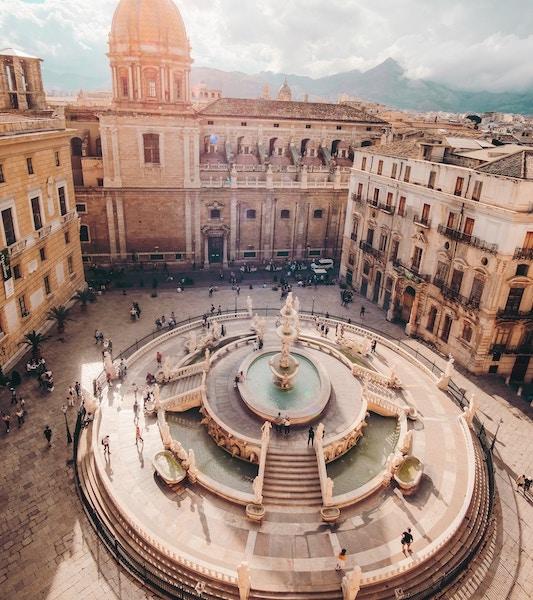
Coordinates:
(34, 340)
(84, 296)
(60, 314)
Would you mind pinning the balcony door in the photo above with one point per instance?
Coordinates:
(514, 299)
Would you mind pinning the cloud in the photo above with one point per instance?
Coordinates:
(479, 44)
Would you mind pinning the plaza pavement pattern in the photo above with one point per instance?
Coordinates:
(48, 549)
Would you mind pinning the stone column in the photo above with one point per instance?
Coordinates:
(233, 227)
(206, 251)
(116, 157)
(197, 230)
(121, 227)
(186, 160)
(410, 328)
(196, 158)
(188, 227)
(225, 253)
(115, 84)
(111, 226)
(139, 83)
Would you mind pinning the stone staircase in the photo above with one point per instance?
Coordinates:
(291, 477)
(180, 386)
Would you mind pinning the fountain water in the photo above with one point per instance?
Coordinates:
(283, 365)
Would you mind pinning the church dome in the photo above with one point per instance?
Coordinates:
(285, 92)
(148, 27)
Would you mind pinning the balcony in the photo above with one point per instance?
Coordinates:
(503, 349)
(422, 221)
(386, 208)
(513, 314)
(43, 233)
(357, 198)
(453, 295)
(465, 238)
(411, 272)
(523, 254)
(70, 216)
(16, 248)
(369, 249)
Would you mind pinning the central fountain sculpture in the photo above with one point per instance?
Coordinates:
(283, 365)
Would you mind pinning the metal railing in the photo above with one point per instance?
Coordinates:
(511, 313)
(523, 254)
(411, 272)
(367, 248)
(466, 238)
(421, 220)
(386, 208)
(147, 577)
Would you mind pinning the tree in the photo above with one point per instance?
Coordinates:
(60, 314)
(34, 340)
(85, 296)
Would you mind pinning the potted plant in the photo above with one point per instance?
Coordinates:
(59, 314)
(84, 296)
(34, 340)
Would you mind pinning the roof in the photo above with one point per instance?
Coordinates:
(492, 153)
(467, 143)
(308, 111)
(401, 149)
(19, 53)
(519, 165)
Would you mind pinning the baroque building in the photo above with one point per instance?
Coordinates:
(161, 178)
(41, 257)
(441, 236)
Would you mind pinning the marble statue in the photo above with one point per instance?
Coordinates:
(243, 580)
(351, 584)
(249, 306)
(407, 442)
(216, 330)
(192, 470)
(265, 431)
(470, 412)
(444, 379)
(259, 326)
(319, 433)
(192, 342)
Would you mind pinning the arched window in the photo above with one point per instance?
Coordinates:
(318, 214)
(467, 332)
(250, 213)
(285, 214)
(431, 319)
(76, 146)
(84, 233)
(150, 83)
(151, 148)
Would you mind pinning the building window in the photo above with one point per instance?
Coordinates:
(177, 87)
(62, 200)
(57, 159)
(389, 200)
(376, 196)
(442, 273)
(285, 214)
(210, 122)
(282, 253)
(446, 328)
(214, 213)
(24, 312)
(431, 319)
(394, 250)
(99, 182)
(36, 211)
(468, 229)
(407, 174)
(459, 186)
(276, 125)
(317, 214)
(16, 271)
(380, 167)
(432, 177)
(394, 169)
(70, 265)
(401, 206)
(42, 253)
(521, 270)
(151, 148)
(179, 256)
(152, 88)
(383, 242)
(359, 191)
(29, 165)
(351, 259)
(124, 87)
(457, 280)
(244, 124)
(370, 236)
(81, 208)
(251, 213)
(2, 178)
(363, 163)
(467, 332)
(476, 193)
(417, 258)
(478, 285)
(249, 254)
(47, 288)
(339, 127)
(67, 237)
(514, 299)
(308, 126)
(84, 233)
(157, 257)
(9, 226)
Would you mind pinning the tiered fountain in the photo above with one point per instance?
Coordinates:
(284, 366)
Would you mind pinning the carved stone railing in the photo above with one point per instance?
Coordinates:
(18, 247)
(185, 371)
(184, 401)
(44, 232)
(260, 479)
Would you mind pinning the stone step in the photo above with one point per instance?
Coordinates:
(297, 472)
(287, 495)
(273, 488)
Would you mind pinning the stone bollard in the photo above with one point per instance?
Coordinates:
(243, 580)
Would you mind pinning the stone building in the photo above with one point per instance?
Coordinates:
(441, 236)
(41, 256)
(236, 180)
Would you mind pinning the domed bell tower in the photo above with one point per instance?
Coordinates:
(150, 56)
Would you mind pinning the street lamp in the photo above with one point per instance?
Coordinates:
(235, 304)
(69, 437)
(495, 434)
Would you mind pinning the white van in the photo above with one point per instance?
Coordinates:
(322, 263)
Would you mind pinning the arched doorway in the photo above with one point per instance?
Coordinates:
(408, 297)
(272, 146)
(334, 147)
(303, 147)
(377, 287)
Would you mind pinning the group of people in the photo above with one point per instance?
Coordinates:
(46, 381)
(162, 322)
(35, 366)
(258, 344)
(282, 424)
(20, 412)
(135, 311)
(524, 482)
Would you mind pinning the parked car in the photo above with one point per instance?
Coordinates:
(322, 263)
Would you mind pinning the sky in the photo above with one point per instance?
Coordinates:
(467, 44)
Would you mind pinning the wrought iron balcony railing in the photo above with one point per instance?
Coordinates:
(511, 313)
(466, 238)
(411, 272)
(369, 249)
(421, 220)
(523, 254)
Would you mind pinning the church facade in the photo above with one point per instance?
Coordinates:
(229, 182)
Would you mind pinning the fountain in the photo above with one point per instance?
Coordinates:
(283, 365)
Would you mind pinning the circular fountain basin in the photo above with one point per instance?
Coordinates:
(303, 402)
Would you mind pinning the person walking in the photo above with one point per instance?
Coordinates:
(219, 310)
(158, 358)
(6, 418)
(138, 436)
(362, 312)
(212, 309)
(287, 425)
(407, 540)
(70, 396)
(48, 435)
(77, 388)
(223, 330)
(311, 436)
(105, 444)
(527, 485)
(20, 416)
(341, 560)
(520, 480)
(13, 395)
(135, 411)
(278, 422)
(373, 346)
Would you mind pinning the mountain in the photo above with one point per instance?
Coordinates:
(386, 83)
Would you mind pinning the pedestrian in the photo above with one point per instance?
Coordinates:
(311, 436)
(70, 397)
(287, 425)
(341, 560)
(238, 290)
(137, 309)
(20, 416)
(13, 395)
(48, 435)
(407, 540)
(278, 422)
(212, 309)
(336, 328)
(136, 411)
(362, 312)
(527, 484)
(138, 435)
(236, 381)
(64, 409)
(22, 403)
(255, 346)
(77, 387)
(105, 444)
(326, 331)
(210, 292)
(96, 336)
(241, 376)
(520, 482)
(373, 346)
(6, 418)
(219, 310)
(223, 330)
(158, 358)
